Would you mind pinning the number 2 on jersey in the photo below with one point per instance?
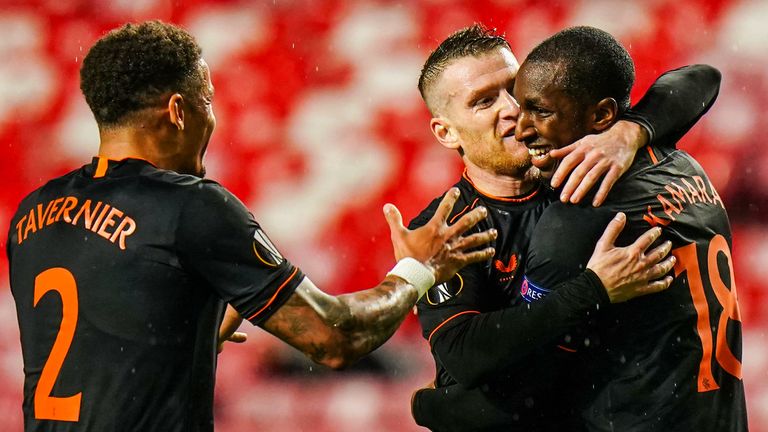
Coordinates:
(49, 407)
(688, 261)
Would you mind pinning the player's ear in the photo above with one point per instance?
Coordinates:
(176, 110)
(444, 132)
(604, 114)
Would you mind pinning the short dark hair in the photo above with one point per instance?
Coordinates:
(596, 65)
(132, 66)
(469, 41)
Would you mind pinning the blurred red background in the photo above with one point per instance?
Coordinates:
(320, 124)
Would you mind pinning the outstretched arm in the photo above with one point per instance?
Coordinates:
(338, 330)
(670, 107)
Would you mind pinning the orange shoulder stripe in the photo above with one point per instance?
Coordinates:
(274, 296)
(652, 154)
(101, 167)
(446, 322)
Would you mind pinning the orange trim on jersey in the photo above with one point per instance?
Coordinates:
(429, 339)
(523, 198)
(274, 296)
(101, 167)
(126, 158)
(456, 216)
(652, 154)
(571, 350)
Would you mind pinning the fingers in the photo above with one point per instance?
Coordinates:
(606, 186)
(646, 240)
(661, 268)
(658, 253)
(467, 221)
(238, 337)
(474, 240)
(477, 256)
(394, 219)
(569, 161)
(446, 205)
(577, 178)
(612, 232)
(565, 151)
(658, 285)
(590, 180)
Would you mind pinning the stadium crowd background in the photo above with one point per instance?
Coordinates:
(320, 123)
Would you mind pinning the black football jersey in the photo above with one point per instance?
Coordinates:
(669, 361)
(489, 285)
(120, 272)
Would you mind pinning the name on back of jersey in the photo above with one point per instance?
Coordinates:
(678, 195)
(96, 216)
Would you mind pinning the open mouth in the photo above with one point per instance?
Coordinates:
(539, 152)
(540, 157)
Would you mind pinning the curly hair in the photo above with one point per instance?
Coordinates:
(473, 41)
(132, 66)
(596, 64)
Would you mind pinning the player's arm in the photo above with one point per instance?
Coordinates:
(338, 330)
(675, 102)
(670, 107)
(458, 408)
(471, 349)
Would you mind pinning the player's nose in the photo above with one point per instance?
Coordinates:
(510, 109)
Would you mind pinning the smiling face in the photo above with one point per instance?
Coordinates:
(476, 114)
(549, 117)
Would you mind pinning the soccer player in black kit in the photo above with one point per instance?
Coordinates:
(490, 346)
(667, 362)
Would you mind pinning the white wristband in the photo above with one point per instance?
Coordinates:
(415, 273)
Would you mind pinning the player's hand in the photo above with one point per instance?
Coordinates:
(438, 245)
(632, 271)
(228, 328)
(608, 154)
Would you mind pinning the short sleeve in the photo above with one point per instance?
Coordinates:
(450, 303)
(219, 241)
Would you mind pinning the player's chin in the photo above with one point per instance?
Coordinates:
(544, 162)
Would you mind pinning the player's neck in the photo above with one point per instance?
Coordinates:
(120, 143)
(501, 185)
